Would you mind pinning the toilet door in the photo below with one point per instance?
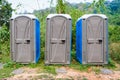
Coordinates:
(22, 39)
(58, 39)
(95, 40)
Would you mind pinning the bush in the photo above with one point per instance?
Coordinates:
(114, 42)
(4, 40)
(114, 33)
(115, 51)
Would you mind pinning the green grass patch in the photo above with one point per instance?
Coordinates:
(4, 58)
(76, 65)
(111, 64)
(8, 67)
(43, 68)
(6, 72)
(49, 69)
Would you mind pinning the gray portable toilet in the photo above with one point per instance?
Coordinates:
(25, 38)
(58, 39)
(92, 39)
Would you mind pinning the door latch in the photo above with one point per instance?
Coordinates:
(28, 41)
(100, 41)
(63, 41)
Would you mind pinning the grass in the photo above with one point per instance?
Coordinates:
(6, 72)
(43, 68)
(76, 65)
(4, 58)
(111, 64)
(9, 66)
(96, 69)
(84, 78)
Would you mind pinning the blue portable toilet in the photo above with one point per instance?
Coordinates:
(92, 39)
(25, 38)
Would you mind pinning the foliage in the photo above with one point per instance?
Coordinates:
(4, 40)
(5, 12)
(114, 19)
(5, 72)
(115, 6)
(115, 51)
(4, 34)
(114, 32)
(60, 8)
(9, 66)
(114, 42)
(113, 12)
(98, 6)
(111, 64)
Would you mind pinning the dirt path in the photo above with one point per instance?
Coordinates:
(71, 74)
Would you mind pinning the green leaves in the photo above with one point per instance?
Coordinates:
(4, 40)
(114, 39)
(115, 6)
(5, 12)
(4, 34)
(114, 34)
(60, 8)
(98, 6)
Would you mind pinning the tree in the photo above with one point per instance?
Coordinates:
(115, 6)
(60, 8)
(5, 12)
(114, 13)
(98, 6)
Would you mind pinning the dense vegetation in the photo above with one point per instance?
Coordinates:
(5, 12)
(111, 9)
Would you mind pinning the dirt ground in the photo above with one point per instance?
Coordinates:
(71, 74)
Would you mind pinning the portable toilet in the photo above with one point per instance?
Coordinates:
(58, 39)
(92, 39)
(25, 38)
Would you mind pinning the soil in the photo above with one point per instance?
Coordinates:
(70, 74)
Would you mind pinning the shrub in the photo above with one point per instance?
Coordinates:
(114, 33)
(115, 51)
(4, 40)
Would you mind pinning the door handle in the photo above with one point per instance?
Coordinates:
(100, 41)
(22, 41)
(62, 41)
(93, 41)
(27, 41)
(58, 41)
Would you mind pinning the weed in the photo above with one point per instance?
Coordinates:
(5, 72)
(76, 65)
(49, 69)
(97, 70)
(111, 64)
(84, 78)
